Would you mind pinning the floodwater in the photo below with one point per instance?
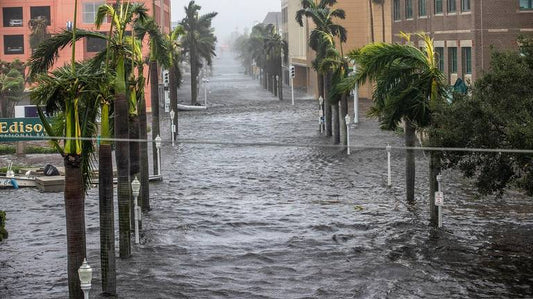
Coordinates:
(255, 221)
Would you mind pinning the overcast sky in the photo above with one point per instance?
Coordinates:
(231, 13)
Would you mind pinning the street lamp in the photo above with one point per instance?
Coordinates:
(85, 273)
(172, 125)
(205, 80)
(321, 113)
(347, 120)
(158, 146)
(135, 188)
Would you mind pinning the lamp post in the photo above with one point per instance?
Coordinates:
(347, 120)
(389, 179)
(321, 113)
(85, 273)
(172, 125)
(135, 188)
(205, 81)
(158, 146)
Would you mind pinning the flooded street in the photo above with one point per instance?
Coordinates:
(265, 221)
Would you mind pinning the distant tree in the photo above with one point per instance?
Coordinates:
(39, 33)
(498, 115)
(11, 89)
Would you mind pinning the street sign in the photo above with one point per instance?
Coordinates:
(439, 199)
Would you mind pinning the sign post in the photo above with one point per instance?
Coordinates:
(439, 201)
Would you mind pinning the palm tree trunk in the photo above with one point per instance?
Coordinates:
(194, 82)
(107, 220)
(280, 86)
(173, 97)
(135, 167)
(371, 20)
(75, 220)
(329, 128)
(336, 123)
(144, 194)
(434, 170)
(410, 138)
(154, 99)
(123, 188)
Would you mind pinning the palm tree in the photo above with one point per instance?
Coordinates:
(175, 71)
(198, 42)
(274, 46)
(321, 38)
(39, 33)
(407, 84)
(122, 16)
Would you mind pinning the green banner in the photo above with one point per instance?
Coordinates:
(20, 129)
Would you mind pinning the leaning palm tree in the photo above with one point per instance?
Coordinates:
(320, 39)
(39, 33)
(198, 42)
(407, 84)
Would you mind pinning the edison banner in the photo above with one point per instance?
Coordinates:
(20, 129)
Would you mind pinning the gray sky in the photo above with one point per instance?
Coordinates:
(231, 13)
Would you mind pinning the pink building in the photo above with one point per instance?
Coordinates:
(15, 32)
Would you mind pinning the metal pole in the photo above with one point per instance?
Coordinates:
(205, 94)
(158, 162)
(348, 137)
(389, 179)
(355, 101)
(292, 90)
(439, 208)
(136, 220)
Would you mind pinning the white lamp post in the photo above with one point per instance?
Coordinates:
(85, 273)
(158, 146)
(321, 113)
(135, 188)
(205, 80)
(172, 125)
(389, 179)
(347, 120)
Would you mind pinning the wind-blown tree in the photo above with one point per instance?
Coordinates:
(408, 84)
(274, 47)
(39, 33)
(11, 89)
(158, 55)
(122, 16)
(174, 72)
(322, 14)
(198, 42)
(69, 91)
(493, 118)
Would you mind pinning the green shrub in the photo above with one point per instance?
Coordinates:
(31, 149)
(7, 149)
(3, 231)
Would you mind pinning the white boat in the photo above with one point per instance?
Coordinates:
(17, 182)
(182, 107)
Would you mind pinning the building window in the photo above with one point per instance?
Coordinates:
(12, 16)
(526, 4)
(397, 15)
(89, 11)
(37, 12)
(451, 6)
(421, 8)
(95, 44)
(440, 58)
(438, 7)
(408, 9)
(452, 59)
(13, 44)
(465, 5)
(466, 58)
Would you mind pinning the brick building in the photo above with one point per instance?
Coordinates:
(464, 31)
(15, 32)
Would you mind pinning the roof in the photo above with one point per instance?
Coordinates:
(274, 18)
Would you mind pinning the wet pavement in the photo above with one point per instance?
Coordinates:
(255, 221)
